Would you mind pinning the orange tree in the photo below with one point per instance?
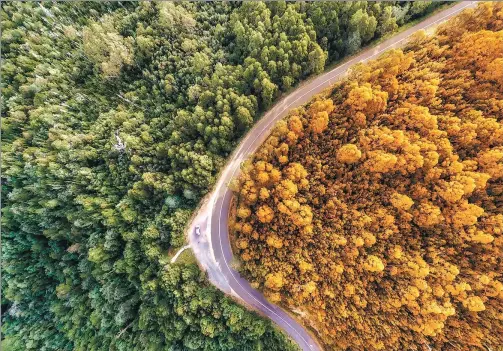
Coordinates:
(377, 208)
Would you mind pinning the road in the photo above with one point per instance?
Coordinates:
(212, 247)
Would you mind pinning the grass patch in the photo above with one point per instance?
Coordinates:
(187, 257)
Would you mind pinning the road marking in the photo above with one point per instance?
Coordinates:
(274, 120)
(253, 297)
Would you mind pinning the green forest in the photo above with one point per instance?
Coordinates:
(116, 118)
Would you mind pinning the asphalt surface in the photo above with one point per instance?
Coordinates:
(213, 249)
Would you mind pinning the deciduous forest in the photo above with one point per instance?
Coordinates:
(376, 210)
(116, 118)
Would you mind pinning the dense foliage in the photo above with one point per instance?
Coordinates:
(376, 210)
(116, 119)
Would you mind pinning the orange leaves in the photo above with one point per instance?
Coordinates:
(300, 215)
(359, 119)
(384, 72)
(369, 239)
(401, 202)
(491, 162)
(303, 217)
(263, 194)
(288, 207)
(494, 71)
(414, 116)
(274, 297)
(286, 189)
(308, 289)
(274, 281)
(324, 105)
(274, 241)
(477, 51)
(481, 238)
(262, 177)
(265, 214)
(390, 150)
(373, 264)
(427, 215)
(336, 270)
(319, 112)
(295, 125)
(243, 212)
(466, 214)
(282, 153)
(319, 122)
(349, 153)
(295, 129)
(295, 172)
(417, 267)
(249, 192)
(275, 175)
(246, 228)
(382, 213)
(265, 174)
(367, 99)
(451, 191)
(305, 266)
(242, 244)
(380, 161)
(474, 304)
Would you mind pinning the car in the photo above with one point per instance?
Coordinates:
(198, 230)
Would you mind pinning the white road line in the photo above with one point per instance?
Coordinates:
(350, 62)
(253, 297)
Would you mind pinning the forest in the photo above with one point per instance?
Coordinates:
(116, 118)
(375, 211)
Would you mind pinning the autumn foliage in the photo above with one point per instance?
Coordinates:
(377, 209)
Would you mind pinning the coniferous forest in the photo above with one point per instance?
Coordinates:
(376, 210)
(116, 118)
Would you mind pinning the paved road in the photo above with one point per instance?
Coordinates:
(212, 248)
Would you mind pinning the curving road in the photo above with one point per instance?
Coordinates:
(212, 247)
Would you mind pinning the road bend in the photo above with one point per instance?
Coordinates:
(213, 248)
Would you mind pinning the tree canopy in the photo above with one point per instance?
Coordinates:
(379, 217)
(116, 118)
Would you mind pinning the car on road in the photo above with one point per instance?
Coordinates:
(198, 230)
